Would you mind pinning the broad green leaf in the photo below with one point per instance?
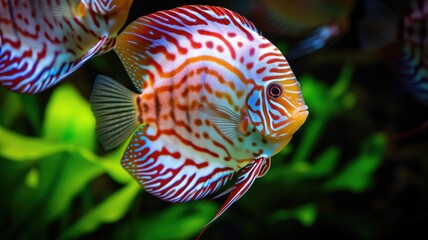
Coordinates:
(342, 84)
(110, 163)
(309, 138)
(17, 147)
(32, 178)
(357, 175)
(324, 100)
(181, 221)
(324, 103)
(10, 107)
(325, 162)
(315, 94)
(291, 173)
(11, 148)
(110, 210)
(32, 111)
(114, 169)
(13, 184)
(68, 119)
(70, 178)
(306, 214)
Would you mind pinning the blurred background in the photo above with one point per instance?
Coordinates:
(357, 169)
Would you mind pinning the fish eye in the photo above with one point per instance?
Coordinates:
(275, 90)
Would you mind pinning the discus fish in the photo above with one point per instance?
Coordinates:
(312, 24)
(43, 41)
(215, 99)
(404, 27)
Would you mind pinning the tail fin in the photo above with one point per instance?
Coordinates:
(115, 111)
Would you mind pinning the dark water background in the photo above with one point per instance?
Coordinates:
(371, 181)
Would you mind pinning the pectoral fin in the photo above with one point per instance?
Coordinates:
(226, 120)
(265, 168)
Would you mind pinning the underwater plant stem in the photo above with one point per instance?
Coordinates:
(310, 136)
(87, 203)
(312, 133)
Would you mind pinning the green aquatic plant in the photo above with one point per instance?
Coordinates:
(57, 168)
(60, 183)
(298, 173)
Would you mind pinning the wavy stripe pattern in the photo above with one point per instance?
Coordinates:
(43, 41)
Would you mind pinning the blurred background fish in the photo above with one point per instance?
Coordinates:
(43, 41)
(311, 24)
(399, 30)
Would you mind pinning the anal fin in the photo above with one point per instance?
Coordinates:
(172, 172)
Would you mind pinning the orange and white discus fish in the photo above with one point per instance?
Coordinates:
(215, 99)
(43, 41)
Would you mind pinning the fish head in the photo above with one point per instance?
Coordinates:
(276, 107)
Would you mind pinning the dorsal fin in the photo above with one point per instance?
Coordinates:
(158, 40)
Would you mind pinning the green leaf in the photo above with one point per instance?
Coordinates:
(325, 162)
(68, 119)
(17, 147)
(315, 94)
(342, 84)
(357, 175)
(32, 111)
(306, 214)
(182, 221)
(298, 171)
(11, 148)
(70, 178)
(63, 169)
(10, 107)
(324, 103)
(111, 164)
(110, 210)
(32, 178)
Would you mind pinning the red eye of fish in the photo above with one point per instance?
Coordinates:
(275, 90)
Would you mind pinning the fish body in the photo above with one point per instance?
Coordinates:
(215, 99)
(43, 41)
(404, 29)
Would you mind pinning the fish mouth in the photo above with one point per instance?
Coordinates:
(300, 113)
(298, 117)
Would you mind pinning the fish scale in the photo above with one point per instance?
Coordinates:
(43, 41)
(203, 75)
